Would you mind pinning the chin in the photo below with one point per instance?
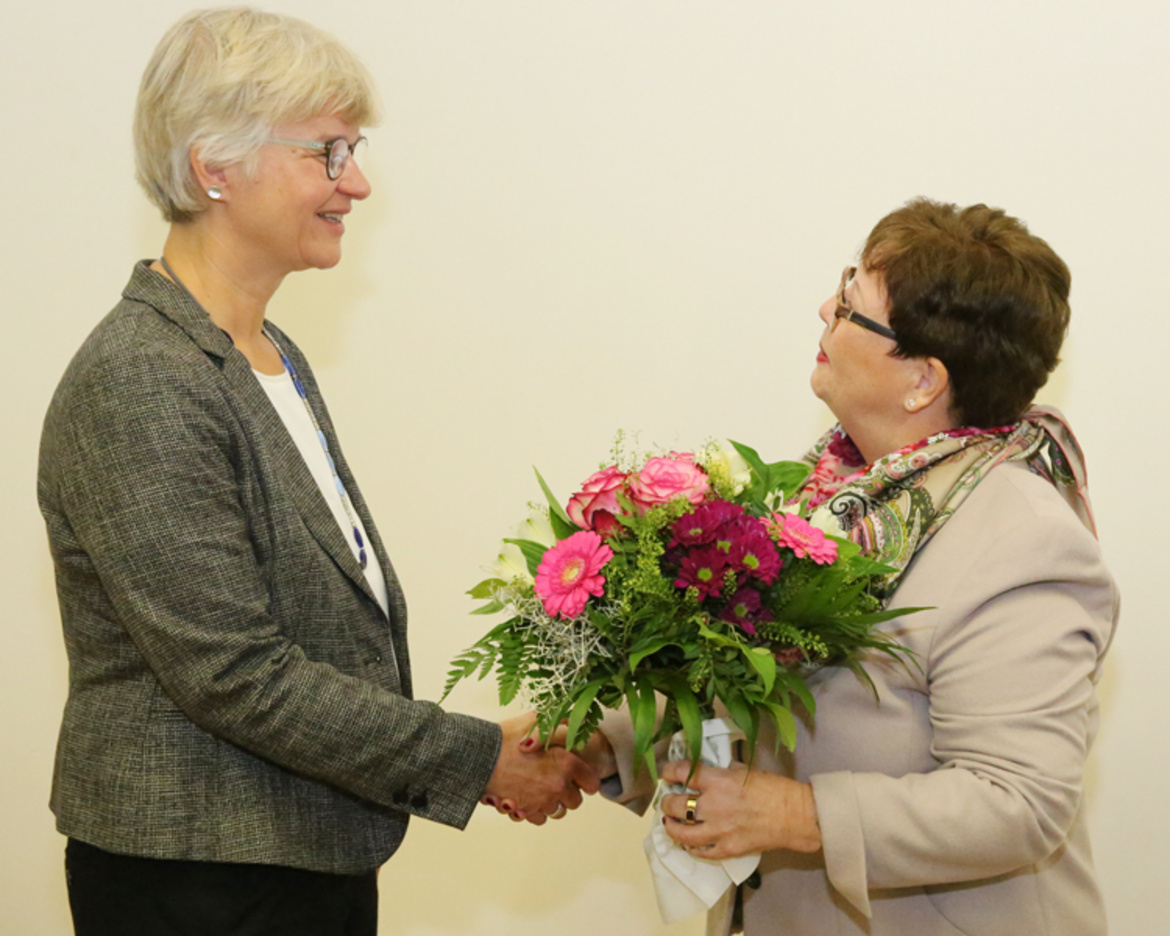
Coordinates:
(324, 262)
(815, 383)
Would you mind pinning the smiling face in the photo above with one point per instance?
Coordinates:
(288, 214)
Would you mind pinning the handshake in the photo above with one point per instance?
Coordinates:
(533, 782)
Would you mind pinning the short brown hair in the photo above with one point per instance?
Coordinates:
(973, 288)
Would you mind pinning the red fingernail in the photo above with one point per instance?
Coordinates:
(491, 801)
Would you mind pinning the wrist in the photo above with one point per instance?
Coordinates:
(804, 830)
(598, 753)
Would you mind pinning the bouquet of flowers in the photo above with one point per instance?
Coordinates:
(690, 578)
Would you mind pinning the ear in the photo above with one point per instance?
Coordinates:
(932, 384)
(208, 176)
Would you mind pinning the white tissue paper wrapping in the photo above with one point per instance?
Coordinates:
(687, 885)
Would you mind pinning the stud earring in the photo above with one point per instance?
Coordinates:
(215, 193)
(910, 404)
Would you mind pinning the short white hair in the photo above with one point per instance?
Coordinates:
(221, 80)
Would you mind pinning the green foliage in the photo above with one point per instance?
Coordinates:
(770, 482)
(562, 524)
(648, 642)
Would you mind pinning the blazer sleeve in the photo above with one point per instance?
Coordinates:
(1010, 675)
(147, 458)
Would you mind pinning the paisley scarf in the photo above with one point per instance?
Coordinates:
(893, 507)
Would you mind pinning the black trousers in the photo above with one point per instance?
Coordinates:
(120, 895)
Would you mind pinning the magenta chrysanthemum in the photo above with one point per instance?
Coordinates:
(802, 538)
(702, 525)
(569, 573)
(746, 609)
(755, 554)
(703, 569)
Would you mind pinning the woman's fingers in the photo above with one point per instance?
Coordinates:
(679, 807)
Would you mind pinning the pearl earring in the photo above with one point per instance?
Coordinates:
(910, 404)
(215, 193)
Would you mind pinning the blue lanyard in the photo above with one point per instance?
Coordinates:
(345, 501)
(296, 379)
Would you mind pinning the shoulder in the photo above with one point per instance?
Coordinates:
(1013, 535)
(136, 374)
(139, 345)
(1015, 518)
(1016, 494)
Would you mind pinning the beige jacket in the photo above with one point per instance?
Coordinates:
(954, 804)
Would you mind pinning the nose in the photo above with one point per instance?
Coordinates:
(827, 310)
(353, 181)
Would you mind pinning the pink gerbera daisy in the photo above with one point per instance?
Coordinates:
(569, 573)
(802, 538)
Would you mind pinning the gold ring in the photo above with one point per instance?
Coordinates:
(692, 805)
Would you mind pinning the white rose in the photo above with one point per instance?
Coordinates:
(727, 460)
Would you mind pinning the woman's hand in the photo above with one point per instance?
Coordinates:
(597, 751)
(534, 784)
(739, 812)
(596, 754)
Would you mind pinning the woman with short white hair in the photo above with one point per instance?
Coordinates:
(240, 750)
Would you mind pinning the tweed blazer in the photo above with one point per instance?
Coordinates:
(236, 693)
(952, 804)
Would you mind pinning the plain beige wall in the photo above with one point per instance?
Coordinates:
(593, 215)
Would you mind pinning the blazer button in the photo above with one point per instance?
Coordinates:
(419, 801)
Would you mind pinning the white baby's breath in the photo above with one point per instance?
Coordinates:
(565, 647)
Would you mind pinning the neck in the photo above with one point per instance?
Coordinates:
(233, 292)
(874, 438)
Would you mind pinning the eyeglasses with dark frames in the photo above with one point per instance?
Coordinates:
(850, 315)
(336, 152)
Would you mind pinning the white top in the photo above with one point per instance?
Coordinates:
(291, 409)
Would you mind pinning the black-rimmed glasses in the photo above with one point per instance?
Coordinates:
(336, 152)
(850, 315)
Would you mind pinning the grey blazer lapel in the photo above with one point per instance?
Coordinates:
(289, 465)
(396, 599)
(273, 440)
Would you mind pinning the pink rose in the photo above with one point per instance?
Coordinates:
(595, 506)
(665, 478)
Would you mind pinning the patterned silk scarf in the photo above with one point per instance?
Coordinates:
(893, 507)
